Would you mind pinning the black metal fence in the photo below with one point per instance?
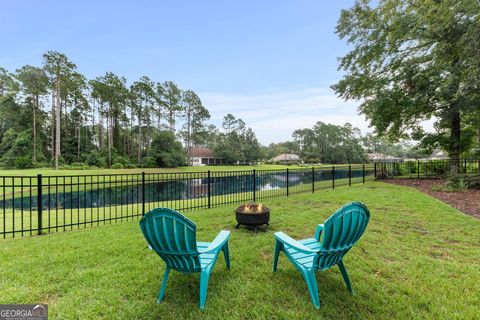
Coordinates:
(421, 169)
(31, 205)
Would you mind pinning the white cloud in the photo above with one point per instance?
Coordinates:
(275, 115)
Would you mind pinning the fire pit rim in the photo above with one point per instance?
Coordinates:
(264, 210)
(252, 219)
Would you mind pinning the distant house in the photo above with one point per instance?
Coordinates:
(201, 156)
(286, 158)
(437, 154)
(381, 157)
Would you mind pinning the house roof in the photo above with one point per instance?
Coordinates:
(286, 157)
(380, 156)
(201, 152)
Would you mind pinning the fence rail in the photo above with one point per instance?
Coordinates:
(31, 205)
(430, 169)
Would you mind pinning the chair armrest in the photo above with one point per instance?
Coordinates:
(318, 232)
(285, 239)
(217, 243)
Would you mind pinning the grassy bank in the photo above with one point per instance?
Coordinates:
(417, 259)
(69, 172)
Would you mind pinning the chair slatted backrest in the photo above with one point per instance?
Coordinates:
(340, 232)
(173, 237)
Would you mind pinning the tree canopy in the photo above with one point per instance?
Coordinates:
(411, 61)
(53, 115)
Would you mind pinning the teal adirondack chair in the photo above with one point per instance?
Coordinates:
(332, 241)
(173, 237)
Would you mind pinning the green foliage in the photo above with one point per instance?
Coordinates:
(166, 150)
(18, 145)
(403, 149)
(464, 181)
(411, 61)
(23, 162)
(237, 143)
(121, 159)
(148, 162)
(76, 166)
(95, 159)
(328, 143)
(117, 166)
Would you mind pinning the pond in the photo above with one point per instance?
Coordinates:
(173, 189)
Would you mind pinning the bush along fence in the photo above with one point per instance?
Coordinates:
(34, 205)
(421, 169)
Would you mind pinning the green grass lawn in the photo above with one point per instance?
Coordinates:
(417, 259)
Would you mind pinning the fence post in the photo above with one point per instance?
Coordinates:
(313, 179)
(375, 170)
(349, 175)
(288, 191)
(143, 193)
(208, 189)
(363, 173)
(333, 177)
(418, 169)
(39, 203)
(254, 185)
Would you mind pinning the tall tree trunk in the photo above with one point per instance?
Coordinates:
(63, 115)
(35, 106)
(53, 125)
(139, 150)
(131, 146)
(171, 120)
(93, 125)
(478, 146)
(109, 140)
(57, 123)
(455, 132)
(78, 142)
(100, 129)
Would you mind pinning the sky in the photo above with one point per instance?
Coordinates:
(270, 63)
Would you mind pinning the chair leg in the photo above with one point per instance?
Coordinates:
(204, 276)
(341, 266)
(226, 255)
(278, 248)
(164, 285)
(309, 276)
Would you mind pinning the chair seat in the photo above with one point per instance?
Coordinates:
(206, 259)
(305, 260)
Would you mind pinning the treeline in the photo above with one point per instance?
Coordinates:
(329, 143)
(52, 115)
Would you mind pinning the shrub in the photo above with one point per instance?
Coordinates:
(148, 162)
(121, 159)
(129, 166)
(41, 165)
(78, 166)
(61, 161)
(94, 158)
(464, 181)
(167, 150)
(117, 166)
(23, 162)
(473, 181)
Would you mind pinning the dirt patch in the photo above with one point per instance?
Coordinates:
(467, 201)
